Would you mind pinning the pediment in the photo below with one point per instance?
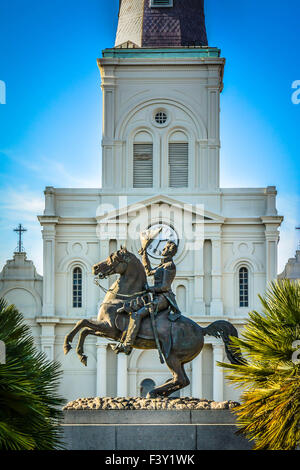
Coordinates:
(132, 209)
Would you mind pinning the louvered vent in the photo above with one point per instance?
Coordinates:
(161, 3)
(178, 165)
(143, 165)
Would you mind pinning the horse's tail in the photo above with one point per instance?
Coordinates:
(224, 329)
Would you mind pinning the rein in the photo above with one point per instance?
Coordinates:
(124, 296)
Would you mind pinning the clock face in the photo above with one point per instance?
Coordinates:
(166, 234)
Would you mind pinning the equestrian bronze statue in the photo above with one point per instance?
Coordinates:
(161, 299)
(137, 315)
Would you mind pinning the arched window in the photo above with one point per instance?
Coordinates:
(146, 386)
(143, 161)
(178, 161)
(77, 288)
(244, 287)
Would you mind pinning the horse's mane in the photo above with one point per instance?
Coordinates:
(130, 257)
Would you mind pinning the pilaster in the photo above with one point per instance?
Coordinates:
(213, 161)
(216, 307)
(109, 168)
(104, 253)
(272, 238)
(49, 233)
(48, 335)
(198, 303)
(218, 379)
(197, 384)
(122, 376)
(101, 379)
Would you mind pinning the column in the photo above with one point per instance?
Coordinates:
(198, 304)
(49, 231)
(101, 385)
(108, 167)
(213, 161)
(109, 109)
(122, 375)
(214, 112)
(132, 382)
(216, 307)
(120, 163)
(272, 238)
(197, 377)
(271, 258)
(218, 379)
(47, 338)
(104, 253)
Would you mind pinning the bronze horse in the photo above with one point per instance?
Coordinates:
(181, 341)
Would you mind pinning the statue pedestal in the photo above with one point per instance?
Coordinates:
(152, 429)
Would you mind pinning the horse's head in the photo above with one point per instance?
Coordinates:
(116, 263)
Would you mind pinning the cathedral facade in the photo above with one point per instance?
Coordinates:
(161, 86)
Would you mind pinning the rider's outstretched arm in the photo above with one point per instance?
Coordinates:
(147, 264)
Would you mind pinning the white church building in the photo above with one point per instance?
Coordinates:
(161, 86)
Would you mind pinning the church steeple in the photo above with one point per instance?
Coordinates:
(161, 23)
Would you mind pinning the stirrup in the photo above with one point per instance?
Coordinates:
(126, 349)
(122, 348)
(117, 347)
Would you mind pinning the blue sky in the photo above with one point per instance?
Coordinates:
(50, 126)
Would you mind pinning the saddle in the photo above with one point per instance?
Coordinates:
(163, 325)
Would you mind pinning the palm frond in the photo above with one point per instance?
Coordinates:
(30, 407)
(269, 413)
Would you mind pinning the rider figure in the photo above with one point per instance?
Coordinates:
(162, 295)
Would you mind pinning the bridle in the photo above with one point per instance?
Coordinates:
(112, 268)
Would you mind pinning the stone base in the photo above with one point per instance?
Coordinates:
(152, 429)
(122, 403)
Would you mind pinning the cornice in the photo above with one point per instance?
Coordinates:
(272, 219)
(48, 219)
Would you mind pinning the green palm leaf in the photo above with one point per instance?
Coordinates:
(30, 408)
(269, 413)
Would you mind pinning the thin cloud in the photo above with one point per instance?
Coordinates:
(21, 204)
(52, 172)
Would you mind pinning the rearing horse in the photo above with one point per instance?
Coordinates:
(181, 341)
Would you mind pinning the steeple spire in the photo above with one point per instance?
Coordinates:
(161, 23)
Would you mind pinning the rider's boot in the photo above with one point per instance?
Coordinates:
(133, 329)
(117, 348)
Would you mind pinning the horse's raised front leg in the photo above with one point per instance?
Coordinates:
(84, 333)
(94, 325)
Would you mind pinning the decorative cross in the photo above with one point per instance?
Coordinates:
(20, 230)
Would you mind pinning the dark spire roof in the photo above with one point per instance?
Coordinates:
(182, 24)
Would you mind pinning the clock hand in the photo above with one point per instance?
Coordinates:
(155, 249)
